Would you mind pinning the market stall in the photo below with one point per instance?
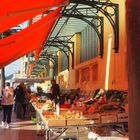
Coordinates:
(63, 119)
(78, 114)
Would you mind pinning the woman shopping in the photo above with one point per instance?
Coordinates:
(7, 105)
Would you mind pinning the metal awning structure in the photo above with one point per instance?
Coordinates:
(81, 13)
(75, 17)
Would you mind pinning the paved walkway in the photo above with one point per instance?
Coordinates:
(21, 129)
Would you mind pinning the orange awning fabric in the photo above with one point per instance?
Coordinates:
(27, 40)
(25, 33)
(17, 19)
(14, 12)
(37, 53)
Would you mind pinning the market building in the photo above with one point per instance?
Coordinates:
(92, 44)
(82, 48)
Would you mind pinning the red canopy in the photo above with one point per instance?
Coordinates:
(6, 2)
(27, 40)
(14, 12)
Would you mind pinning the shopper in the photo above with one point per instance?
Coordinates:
(20, 101)
(55, 89)
(7, 104)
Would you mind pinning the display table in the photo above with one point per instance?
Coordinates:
(52, 125)
(113, 138)
(62, 124)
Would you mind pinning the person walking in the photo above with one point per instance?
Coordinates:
(7, 105)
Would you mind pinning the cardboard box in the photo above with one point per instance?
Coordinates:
(56, 122)
(122, 117)
(109, 119)
(95, 117)
(79, 122)
(85, 122)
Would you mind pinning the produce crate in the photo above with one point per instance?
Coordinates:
(63, 111)
(67, 138)
(84, 122)
(56, 122)
(95, 117)
(109, 118)
(122, 117)
(78, 122)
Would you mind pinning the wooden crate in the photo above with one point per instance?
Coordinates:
(95, 117)
(56, 122)
(73, 121)
(109, 119)
(85, 122)
(122, 117)
(79, 122)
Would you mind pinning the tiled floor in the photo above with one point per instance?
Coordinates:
(20, 130)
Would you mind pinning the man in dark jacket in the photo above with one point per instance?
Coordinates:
(20, 100)
(55, 91)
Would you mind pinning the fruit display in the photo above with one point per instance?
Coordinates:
(47, 113)
(66, 115)
(82, 113)
(49, 105)
(39, 105)
(68, 118)
(34, 98)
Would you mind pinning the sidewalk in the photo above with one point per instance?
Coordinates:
(21, 129)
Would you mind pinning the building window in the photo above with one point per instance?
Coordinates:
(85, 74)
(64, 61)
(77, 76)
(89, 44)
(95, 72)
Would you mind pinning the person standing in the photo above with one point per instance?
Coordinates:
(20, 100)
(55, 89)
(7, 105)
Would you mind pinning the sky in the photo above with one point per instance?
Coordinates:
(13, 67)
(16, 65)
